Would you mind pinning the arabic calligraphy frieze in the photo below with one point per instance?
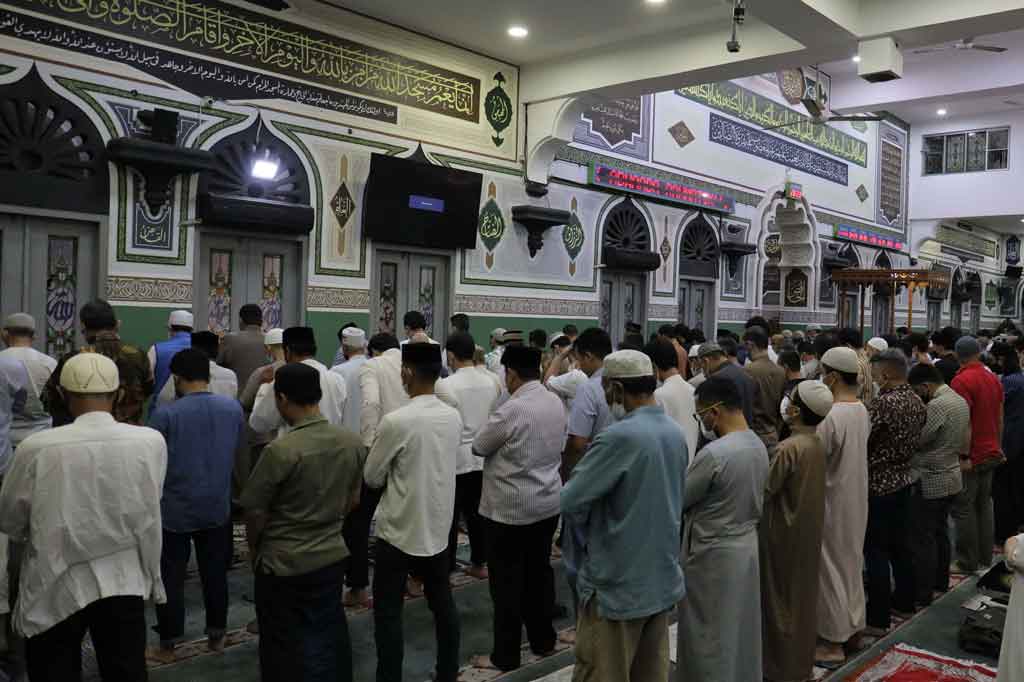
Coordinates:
(752, 141)
(198, 76)
(620, 125)
(749, 106)
(217, 29)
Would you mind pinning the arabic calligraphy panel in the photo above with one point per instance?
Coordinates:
(620, 125)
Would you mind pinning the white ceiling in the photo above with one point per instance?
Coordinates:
(557, 27)
(1007, 224)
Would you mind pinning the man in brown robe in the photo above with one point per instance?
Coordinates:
(790, 539)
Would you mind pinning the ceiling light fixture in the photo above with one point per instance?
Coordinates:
(856, 59)
(518, 31)
(265, 168)
(941, 112)
(655, 2)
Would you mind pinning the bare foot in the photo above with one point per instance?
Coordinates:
(567, 637)
(161, 655)
(478, 572)
(483, 661)
(356, 597)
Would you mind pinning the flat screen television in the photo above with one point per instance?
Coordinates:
(420, 204)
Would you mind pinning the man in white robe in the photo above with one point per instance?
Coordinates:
(1011, 656)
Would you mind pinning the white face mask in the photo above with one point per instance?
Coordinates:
(708, 434)
(618, 411)
(784, 408)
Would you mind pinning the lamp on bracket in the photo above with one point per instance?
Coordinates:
(537, 220)
(732, 245)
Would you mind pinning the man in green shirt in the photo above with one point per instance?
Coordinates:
(296, 500)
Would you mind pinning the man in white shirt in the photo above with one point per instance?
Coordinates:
(300, 346)
(382, 392)
(353, 343)
(675, 395)
(222, 380)
(84, 499)
(18, 333)
(416, 330)
(474, 393)
(412, 460)
(493, 358)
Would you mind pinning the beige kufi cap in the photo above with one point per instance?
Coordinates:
(627, 364)
(842, 359)
(816, 396)
(90, 373)
(353, 337)
(878, 343)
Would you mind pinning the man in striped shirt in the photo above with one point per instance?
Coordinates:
(521, 445)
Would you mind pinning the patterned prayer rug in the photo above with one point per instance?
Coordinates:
(904, 663)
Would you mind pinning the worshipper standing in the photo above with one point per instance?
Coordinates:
(412, 460)
(14, 390)
(295, 503)
(696, 367)
(493, 358)
(719, 636)
(84, 500)
(179, 335)
(717, 364)
(590, 413)
(416, 323)
(1011, 654)
(897, 418)
(789, 361)
(521, 447)
(771, 382)
(626, 495)
(299, 346)
(99, 327)
(790, 539)
(844, 433)
(874, 346)
(571, 331)
(854, 340)
(1008, 483)
(19, 331)
(353, 343)
(944, 348)
(972, 510)
(762, 324)
(459, 323)
(474, 394)
(936, 472)
(246, 458)
(242, 351)
(202, 431)
(812, 331)
(675, 395)
(808, 360)
(380, 384)
(222, 380)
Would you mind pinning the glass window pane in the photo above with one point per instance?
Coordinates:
(956, 152)
(933, 145)
(997, 160)
(932, 164)
(999, 139)
(976, 151)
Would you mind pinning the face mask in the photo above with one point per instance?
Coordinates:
(618, 411)
(709, 434)
(784, 408)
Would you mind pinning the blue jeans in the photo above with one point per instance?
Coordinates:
(303, 630)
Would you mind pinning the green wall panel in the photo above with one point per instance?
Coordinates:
(142, 327)
(325, 327)
(480, 327)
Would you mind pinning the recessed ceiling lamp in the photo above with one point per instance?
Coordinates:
(941, 112)
(855, 59)
(518, 31)
(655, 2)
(1022, 220)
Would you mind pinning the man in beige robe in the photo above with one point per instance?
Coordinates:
(790, 539)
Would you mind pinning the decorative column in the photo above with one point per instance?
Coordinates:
(796, 236)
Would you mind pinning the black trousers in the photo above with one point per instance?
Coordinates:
(303, 631)
(1008, 499)
(356, 532)
(467, 501)
(522, 588)
(390, 568)
(885, 546)
(117, 626)
(213, 556)
(928, 538)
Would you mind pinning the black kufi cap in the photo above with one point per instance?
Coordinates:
(298, 335)
(421, 353)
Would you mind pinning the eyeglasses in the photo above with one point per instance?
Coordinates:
(708, 409)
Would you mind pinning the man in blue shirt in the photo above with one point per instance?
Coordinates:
(629, 492)
(202, 431)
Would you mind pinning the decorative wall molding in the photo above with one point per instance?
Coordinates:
(330, 297)
(150, 290)
(737, 314)
(507, 305)
(662, 312)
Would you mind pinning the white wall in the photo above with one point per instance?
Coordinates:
(997, 192)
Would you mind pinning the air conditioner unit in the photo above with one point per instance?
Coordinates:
(880, 60)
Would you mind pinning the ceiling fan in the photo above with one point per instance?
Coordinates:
(964, 44)
(814, 100)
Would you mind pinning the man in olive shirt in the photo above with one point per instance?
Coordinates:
(771, 382)
(296, 500)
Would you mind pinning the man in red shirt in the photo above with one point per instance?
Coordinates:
(972, 510)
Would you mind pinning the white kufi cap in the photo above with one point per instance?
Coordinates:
(627, 364)
(879, 344)
(842, 359)
(180, 318)
(816, 396)
(353, 337)
(90, 373)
